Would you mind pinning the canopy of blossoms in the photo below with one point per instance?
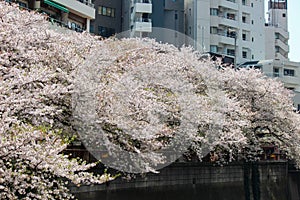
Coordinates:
(136, 103)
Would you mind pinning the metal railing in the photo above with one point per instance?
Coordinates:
(142, 1)
(86, 2)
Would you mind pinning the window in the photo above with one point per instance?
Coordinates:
(251, 4)
(213, 30)
(276, 35)
(244, 53)
(214, 11)
(92, 28)
(231, 16)
(105, 31)
(190, 30)
(213, 48)
(230, 52)
(277, 49)
(252, 57)
(244, 2)
(106, 11)
(244, 19)
(298, 109)
(252, 22)
(103, 10)
(244, 36)
(252, 39)
(276, 72)
(22, 5)
(289, 72)
(283, 14)
(290, 88)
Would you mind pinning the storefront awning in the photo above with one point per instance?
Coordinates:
(55, 5)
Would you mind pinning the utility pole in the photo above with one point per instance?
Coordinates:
(235, 37)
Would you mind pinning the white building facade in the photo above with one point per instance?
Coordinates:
(221, 26)
(139, 13)
(276, 30)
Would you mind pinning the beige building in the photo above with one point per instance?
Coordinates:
(74, 14)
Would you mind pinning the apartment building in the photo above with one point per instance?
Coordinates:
(228, 27)
(74, 14)
(276, 30)
(136, 17)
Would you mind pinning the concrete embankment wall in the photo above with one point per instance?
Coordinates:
(191, 181)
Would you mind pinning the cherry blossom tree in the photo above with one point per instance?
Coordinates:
(148, 103)
(35, 66)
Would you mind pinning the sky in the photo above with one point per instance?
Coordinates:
(293, 27)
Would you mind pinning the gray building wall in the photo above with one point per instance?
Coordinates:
(168, 14)
(113, 24)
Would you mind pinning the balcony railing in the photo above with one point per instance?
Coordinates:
(227, 17)
(86, 2)
(142, 1)
(142, 20)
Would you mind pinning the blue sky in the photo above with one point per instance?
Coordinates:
(294, 28)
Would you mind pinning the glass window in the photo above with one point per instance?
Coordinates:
(105, 31)
(213, 48)
(276, 72)
(108, 12)
(289, 72)
(214, 11)
(92, 28)
(103, 10)
(112, 12)
(213, 30)
(230, 52)
(100, 10)
(244, 19)
(244, 54)
(244, 36)
(231, 16)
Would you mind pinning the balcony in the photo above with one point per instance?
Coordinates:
(222, 38)
(229, 4)
(279, 56)
(143, 25)
(282, 32)
(291, 80)
(282, 45)
(143, 6)
(228, 21)
(81, 7)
